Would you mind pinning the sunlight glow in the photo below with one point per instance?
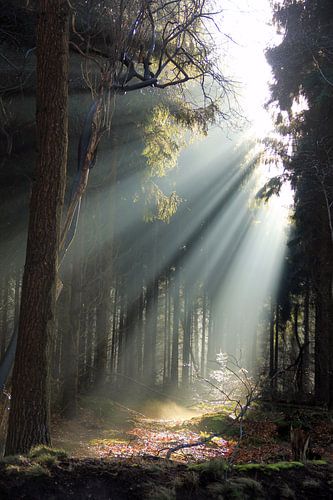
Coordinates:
(249, 26)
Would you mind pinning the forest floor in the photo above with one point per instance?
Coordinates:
(113, 452)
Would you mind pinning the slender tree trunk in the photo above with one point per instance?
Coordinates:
(186, 342)
(139, 338)
(149, 353)
(165, 335)
(17, 296)
(298, 352)
(203, 336)
(175, 332)
(4, 315)
(169, 342)
(306, 328)
(82, 363)
(71, 345)
(103, 329)
(150, 340)
(30, 404)
(113, 355)
(121, 337)
(276, 343)
(271, 345)
(91, 324)
(211, 344)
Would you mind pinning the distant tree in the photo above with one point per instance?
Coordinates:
(302, 70)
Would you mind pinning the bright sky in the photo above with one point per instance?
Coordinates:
(249, 24)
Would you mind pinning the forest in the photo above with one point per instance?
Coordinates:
(166, 250)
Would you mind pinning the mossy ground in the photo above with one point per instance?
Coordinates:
(261, 468)
(161, 480)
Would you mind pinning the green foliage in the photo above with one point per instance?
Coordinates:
(278, 466)
(196, 120)
(34, 469)
(219, 423)
(272, 187)
(212, 470)
(166, 131)
(317, 462)
(158, 205)
(164, 139)
(14, 460)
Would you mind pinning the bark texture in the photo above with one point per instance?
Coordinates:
(29, 415)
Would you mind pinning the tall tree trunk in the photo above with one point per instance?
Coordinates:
(17, 296)
(113, 355)
(306, 328)
(271, 345)
(149, 348)
(203, 336)
(71, 345)
(4, 315)
(175, 332)
(139, 338)
(165, 335)
(106, 216)
(324, 323)
(150, 337)
(186, 341)
(29, 415)
(211, 342)
(103, 328)
(276, 343)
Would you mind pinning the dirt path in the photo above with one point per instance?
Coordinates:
(135, 436)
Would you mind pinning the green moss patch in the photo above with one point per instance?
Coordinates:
(42, 450)
(219, 423)
(276, 467)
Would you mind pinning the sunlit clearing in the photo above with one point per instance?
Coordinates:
(168, 410)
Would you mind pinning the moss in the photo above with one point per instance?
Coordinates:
(219, 423)
(215, 468)
(10, 469)
(317, 462)
(43, 450)
(276, 467)
(35, 470)
(14, 460)
(237, 489)
(47, 460)
(29, 470)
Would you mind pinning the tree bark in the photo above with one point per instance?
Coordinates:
(4, 316)
(29, 415)
(175, 331)
(186, 341)
(306, 327)
(71, 345)
(271, 345)
(203, 336)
